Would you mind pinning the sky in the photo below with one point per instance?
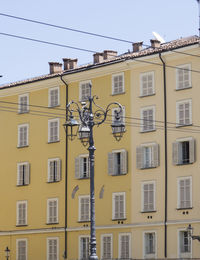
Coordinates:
(132, 20)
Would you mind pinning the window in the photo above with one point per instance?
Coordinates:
(21, 249)
(185, 192)
(148, 196)
(147, 156)
(149, 245)
(21, 213)
(183, 77)
(124, 246)
(23, 175)
(183, 151)
(84, 90)
(117, 162)
(52, 248)
(54, 97)
(23, 135)
(53, 130)
(84, 208)
(184, 113)
(147, 84)
(106, 246)
(23, 103)
(118, 83)
(84, 247)
(118, 121)
(118, 206)
(82, 169)
(52, 211)
(54, 170)
(184, 244)
(147, 119)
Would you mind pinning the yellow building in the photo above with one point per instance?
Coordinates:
(146, 186)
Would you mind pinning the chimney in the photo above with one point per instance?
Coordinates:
(155, 43)
(70, 64)
(108, 54)
(137, 46)
(55, 67)
(98, 57)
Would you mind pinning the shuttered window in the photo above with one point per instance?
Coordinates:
(22, 249)
(82, 167)
(52, 249)
(121, 119)
(54, 170)
(148, 190)
(124, 246)
(21, 213)
(52, 211)
(23, 174)
(117, 162)
(183, 77)
(23, 135)
(118, 83)
(53, 130)
(147, 156)
(54, 96)
(84, 248)
(84, 208)
(184, 112)
(23, 103)
(184, 242)
(84, 90)
(149, 240)
(106, 246)
(119, 206)
(183, 152)
(147, 119)
(147, 84)
(185, 193)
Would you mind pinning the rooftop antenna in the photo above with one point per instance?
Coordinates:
(198, 1)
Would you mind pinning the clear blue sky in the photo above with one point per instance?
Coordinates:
(133, 20)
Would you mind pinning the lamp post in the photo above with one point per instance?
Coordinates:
(190, 233)
(7, 253)
(87, 119)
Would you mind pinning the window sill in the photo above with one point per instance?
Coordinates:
(177, 89)
(118, 219)
(53, 223)
(49, 106)
(25, 112)
(22, 185)
(184, 208)
(83, 221)
(150, 167)
(148, 211)
(84, 178)
(115, 94)
(52, 142)
(150, 95)
(178, 126)
(147, 131)
(24, 146)
(24, 225)
(119, 174)
(150, 256)
(53, 181)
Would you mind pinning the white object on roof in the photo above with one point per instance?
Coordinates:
(158, 37)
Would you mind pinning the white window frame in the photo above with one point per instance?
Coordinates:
(53, 238)
(182, 102)
(26, 177)
(178, 191)
(182, 67)
(17, 247)
(153, 108)
(58, 177)
(111, 248)
(58, 130)
(146, 74)
(17, 213)
(123, 84)
(79, 166)
(114, 194)
(154, 196)
(119, 244)
(27, 137)
(49, 96)
(80, 89)
(179, 253)
(124, 157)
(150, 256)
(21, 107)
(80, 237)
(79, 208)
(57, 205)
(154, 155)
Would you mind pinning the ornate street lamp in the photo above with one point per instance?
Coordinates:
(190, 233)
(7, 253)
(88, 119)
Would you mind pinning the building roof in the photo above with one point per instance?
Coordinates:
(165, 47)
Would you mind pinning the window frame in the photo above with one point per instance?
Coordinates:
(154, 196)
(17, 247)
(154, 154)
(80, 253)
(111, 248)
(119, 243)
(58, 130)
(79, 208)
(27, 136)
(150, 256)
(178, 192)
(114, 194)
(124, 157)
(78, 167)
(81, 99)
(183, 254)
(143, 74)
(153, 108)
(58, 160)
(20, 110)
(26, 173)
(49, 96)
(17, 213)
(123, 83)
(183, 102)
(53, 238)
(189, 71)
(48, 211)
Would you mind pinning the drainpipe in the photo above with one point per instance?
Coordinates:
(166, 161)
(66, 172)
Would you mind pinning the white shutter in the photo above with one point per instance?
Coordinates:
(181, 192)
(111, 164)
(123, 162)
(139, 157)
(187, 193)
(77, 167)
(156, 159)
(175, 153)
(192, 150)
(26, 174)
(20, 175)
(58, 177)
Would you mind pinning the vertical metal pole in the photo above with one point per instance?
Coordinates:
(91, 150)
(199, 15)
